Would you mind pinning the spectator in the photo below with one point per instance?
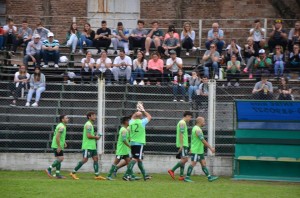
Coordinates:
(155, 69)
(278, 36)
(1, 38)
(294, 36)
(173, 64)
(262, 64)
(120, 38)
(87, 66)
(258, 34)
(278, 60)
(294, 60)
(86, 38)
(24, 36)
(50, 51)
(188, 37)
(215, 36)
(171, 29)
(42, 31)
(33, 51)
(139, 68)
(103, 37)
(170, 43)
(37, 86)
(21, 80)
(263, 90)
(233, 70)
(285, 92)
(179, 84)
(10, 32)
(154, 37)
(194, 82)
(250, 54)
(72, 37)
(211, 59)
(202, 93)
(104, 67)
(138, 36)
(122, 67)
(235, 49)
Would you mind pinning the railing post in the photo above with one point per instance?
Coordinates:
(200, 32)
(266, 27)
(100, 117)
(211, 114)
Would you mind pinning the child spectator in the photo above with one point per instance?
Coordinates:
(233, 70)
(139, 68)
(21, 80)
(194, 82)
(202, 93)
(250, 54)
(285, 92)
(72, 37)
(37, 86)
(104, 67)
(188, 37)
(120, 38)
(86, 38)
(155, 69)
(278, 60)
(87, 66)
(179, 85)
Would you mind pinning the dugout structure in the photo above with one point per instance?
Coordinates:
(267, 138)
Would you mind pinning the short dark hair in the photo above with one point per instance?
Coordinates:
(264, 76)
(186, 113)
(24, 20)
(141, 21)
(89, 114)
(154, 22)
(61, 117)
(122, 50)
(125, 119)
(102, 22)
(256, 20)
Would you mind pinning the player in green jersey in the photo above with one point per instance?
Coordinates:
(197, 150)
(89, 147)
(123, 147)
(58, 145)
(182, 144)
(137, 134)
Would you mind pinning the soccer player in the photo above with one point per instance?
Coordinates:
(137, 135)
(58, 145)
(89, 147)
(197, 149)
(182, 143)
(123, 147)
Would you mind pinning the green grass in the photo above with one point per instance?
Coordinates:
(37, 184)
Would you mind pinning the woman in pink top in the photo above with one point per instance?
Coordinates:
(172, 29)
(155, 69)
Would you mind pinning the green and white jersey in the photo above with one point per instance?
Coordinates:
(197, 146)
(86, 142)
(185, 134)
(138, 131)
(122, 149)
(62, 130)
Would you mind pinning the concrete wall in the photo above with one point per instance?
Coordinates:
(152, 163)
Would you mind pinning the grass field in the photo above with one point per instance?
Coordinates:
(37, 184)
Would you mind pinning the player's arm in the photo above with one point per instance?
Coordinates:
(148, 116)
(201, 137)
(124, 137)
(182, 127)
(89, 131)
(57, 139)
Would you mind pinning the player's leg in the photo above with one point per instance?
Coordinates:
(180, 164)
(135, 151)
(205, 170)
(113, 167)
(195, 158)
(60, 159)
(54, 164)
(80, 164)
(94, 156)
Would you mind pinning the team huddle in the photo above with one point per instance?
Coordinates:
(130, 145)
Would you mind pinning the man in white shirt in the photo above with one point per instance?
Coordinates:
(10, 32)
(122, 67)
(103, 67)
(258, 34)
(173, 64)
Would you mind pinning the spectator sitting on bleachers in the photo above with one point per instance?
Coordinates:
(278, 36)
(24, 35)
(120, 38)
(72, 37)
(179, 85)
(262, 64)
(138, 36)
(102, 37)
(154, 37)
(293, 64)
(10, 33)
(37, 86)
(263, 90)
(231, 49)
(250, 54)
(175, 34)
(86, 38)
(233, 70)
(1, 38)
(285, 91)
(169, 44)
(104, 67)
(294, 36)
(215, 36)
(33, 51)
(87, 67)
(188, 37)
(50, 51)
(173, 64)
(42, 31)
(155, 69)
(194, 82)
(202, 93)
(122, 67)
(258, 34)
(278, 61)
(21, 80)
(139, 68)
(211, 60)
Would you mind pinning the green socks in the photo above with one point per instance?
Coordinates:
(113, 167)
(77, 167)
(189, 171)
(96, 168)
(176, 166)
(205, 170)
(55, 163)
(141, 167)
(130, 167)
(182, 170)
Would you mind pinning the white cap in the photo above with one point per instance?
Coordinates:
(36, 36)
(262, 51)
(50, 34)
